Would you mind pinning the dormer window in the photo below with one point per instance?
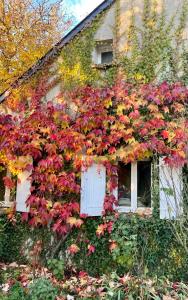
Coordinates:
(103, 53)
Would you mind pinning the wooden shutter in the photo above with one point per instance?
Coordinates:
(7, 196)
(93, 190)
(170, 190)
(23, 191)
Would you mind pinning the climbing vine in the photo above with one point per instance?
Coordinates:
(154, 45)
(124, 123)
(75, 62)
(132, 118)
(149, 46)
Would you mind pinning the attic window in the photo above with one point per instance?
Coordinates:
(103, 52)
(106, 57)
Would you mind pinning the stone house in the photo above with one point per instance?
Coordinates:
(135, 180)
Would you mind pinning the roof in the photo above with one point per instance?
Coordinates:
(55, 50)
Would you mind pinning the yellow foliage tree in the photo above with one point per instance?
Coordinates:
(27, 30)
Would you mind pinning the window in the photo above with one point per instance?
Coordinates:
(144, 183)
(124, 185)
(5, 199)
(21, 192)
(103, 52)
(106, 57)
(134, 185)
(2, 186)
(134, 188)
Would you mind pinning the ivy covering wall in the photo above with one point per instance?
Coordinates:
(153, 53)
(123, 121)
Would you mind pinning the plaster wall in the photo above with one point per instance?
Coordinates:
(124, 7)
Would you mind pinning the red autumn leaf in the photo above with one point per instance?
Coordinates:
(83, 216)
(56, 143)
(83, 274)
(134, 115)
(144, 132)
(109, 226)
(124, 119)
(113, 245)
(51, 148)
(101, 229)
(91, 249)
(73, 249)
(165, 134)
(25, 216)
(111, 150)
(72, 221)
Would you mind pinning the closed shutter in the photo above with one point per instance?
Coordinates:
(170, 190)
(23, 191)
(93, 190)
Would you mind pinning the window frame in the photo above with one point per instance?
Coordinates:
(104, 52)
(101, 47)
(7, 196)
(134, 191)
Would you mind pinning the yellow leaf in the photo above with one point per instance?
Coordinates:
(108, 103)
(131, 140)
(120, 109)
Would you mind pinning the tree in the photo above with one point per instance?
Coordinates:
(27, 30)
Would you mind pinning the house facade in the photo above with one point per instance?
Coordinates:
(135, 180)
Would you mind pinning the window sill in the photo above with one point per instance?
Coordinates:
(5, 209)
(103, 66)
(144, 211)
(141, 211)
(5, 205)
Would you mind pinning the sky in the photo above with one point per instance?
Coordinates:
(81, 8)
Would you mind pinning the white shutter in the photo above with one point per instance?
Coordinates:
(23, 191)
(170, 189)
(7, 198)
(93, 190)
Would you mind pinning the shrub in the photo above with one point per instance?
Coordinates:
(16, 293)
(96, 263)
(17, 239)
(56, 267)
(146, 246)
(11, 239)
(41, 289)
(153, 248)
(9, 274)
